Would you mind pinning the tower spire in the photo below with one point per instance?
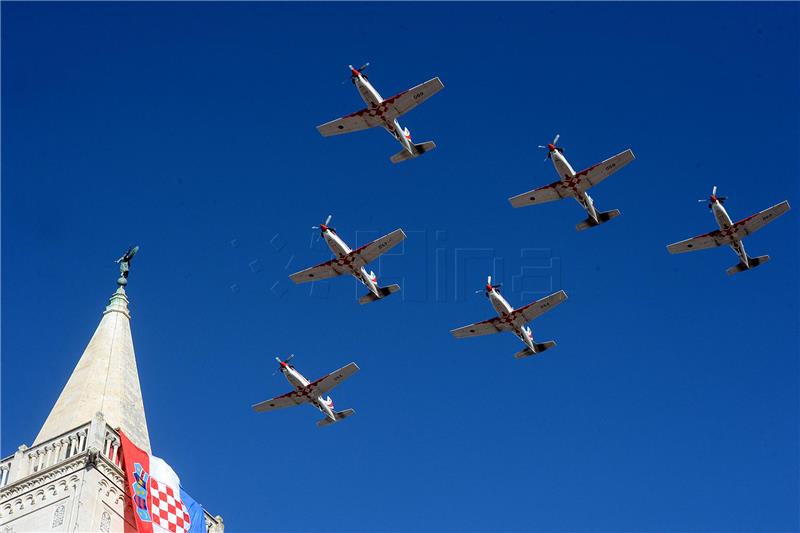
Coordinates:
(106, 378)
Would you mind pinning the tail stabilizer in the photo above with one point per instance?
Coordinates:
(383, 291)
(539, 347)
(340, 415)
(419, 149)
(602, 218)
(754, 262)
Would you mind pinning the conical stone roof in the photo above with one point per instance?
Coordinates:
(105, 380)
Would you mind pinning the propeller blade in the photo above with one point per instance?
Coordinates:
(479, 290)
(545, 147)
(489, 280)
(328, 220)
(714, 191)
(365, 65)
(556, 139)
(291, 356)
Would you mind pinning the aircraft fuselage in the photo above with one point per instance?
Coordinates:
(373, 99)
(299, 382)
(724, 222)
(341, 251)
(567, 175)
(504, 309)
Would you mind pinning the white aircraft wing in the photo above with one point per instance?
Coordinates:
(597, 173)
(540, 307)
(324, 384)
(404, 102)
(701, 242)
(753, 223)
(290, 399)
(325, 270)
(548, 193)
(493, 325)
(360, 120)
(370, 252)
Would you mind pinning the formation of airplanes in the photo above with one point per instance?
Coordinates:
(380, 112)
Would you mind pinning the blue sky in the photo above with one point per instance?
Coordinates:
(671, 400)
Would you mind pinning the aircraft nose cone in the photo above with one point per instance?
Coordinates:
(551, 147)
(323, 227)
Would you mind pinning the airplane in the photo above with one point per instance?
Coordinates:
(352, 262)
(731, 233)
(514, 320)
(384, 113)
(573, 184)
(310, 392)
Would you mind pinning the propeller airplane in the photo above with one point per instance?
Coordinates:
(514, 320)
(384, 112)
(731, 233)
(573, 184)
(310, 392)
(347, 261)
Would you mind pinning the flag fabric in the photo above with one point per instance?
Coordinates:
(159, 503)
(197, 515)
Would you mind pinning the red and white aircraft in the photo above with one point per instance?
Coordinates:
(514, 320)
(310, 392)
(384, 113)
(573, 184)
(352, 262)
(731, 233)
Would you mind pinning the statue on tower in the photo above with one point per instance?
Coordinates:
(125, 265)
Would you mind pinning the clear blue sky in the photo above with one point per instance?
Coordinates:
(671, 400)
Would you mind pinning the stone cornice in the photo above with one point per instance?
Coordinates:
(43, 477)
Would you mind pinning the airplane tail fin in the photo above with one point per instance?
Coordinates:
(340, 415)
(420, 149)
(602, 218)
(754, 262)
(384, 291)
(539, 347)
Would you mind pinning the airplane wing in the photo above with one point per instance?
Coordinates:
(324, 384)
(753, 223)
(360, 120)
(493, 325)
(370, 252)
(540, 307)
(597, 173)
(322, 271)
(290, 399)
(404, 102)
(701, 242)
(548, 193)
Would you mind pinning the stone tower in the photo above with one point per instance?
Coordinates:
(70, 479)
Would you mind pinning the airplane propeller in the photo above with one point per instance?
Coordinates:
(710, 199)
(552, 146)
(278, 359)
(489, 286)
(359, 70)
(324, 226)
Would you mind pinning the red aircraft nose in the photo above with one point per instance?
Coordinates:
(551, 147)
(284, 365)
(323, 227)
(488, 288)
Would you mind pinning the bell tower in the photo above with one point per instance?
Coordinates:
(70, 479)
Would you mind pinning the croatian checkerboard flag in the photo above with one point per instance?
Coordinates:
(160, 505)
